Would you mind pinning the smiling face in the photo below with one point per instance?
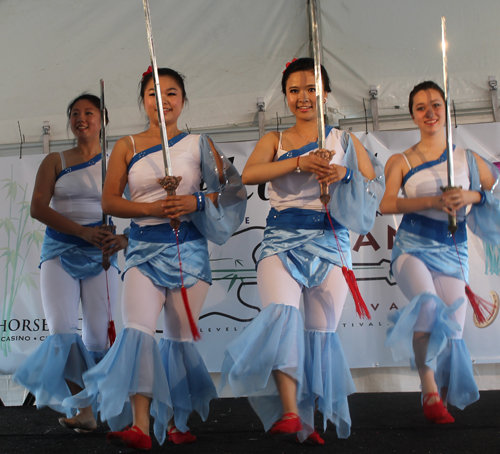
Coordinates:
(428, 111)
(172, 98)
(85, 120)
(301, 94)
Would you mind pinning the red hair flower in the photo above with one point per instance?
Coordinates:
(148, 71)
(288, 64)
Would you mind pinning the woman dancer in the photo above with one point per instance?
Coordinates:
(67, 198)
(426, 263)
(133, 373)
(269, 362)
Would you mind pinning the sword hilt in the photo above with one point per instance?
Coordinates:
(170, 184)
(452, 220)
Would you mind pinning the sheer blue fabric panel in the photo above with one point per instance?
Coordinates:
(217, 224)
(400, 335)
(274, 340)
(191, 387)
(484, 220)
(354, 205)
(329, 382)
(60, 357)
(132, 366)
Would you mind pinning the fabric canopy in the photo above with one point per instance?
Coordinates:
(233, 52)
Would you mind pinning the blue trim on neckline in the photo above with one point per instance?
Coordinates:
(426, 165)
(306, 148)
(154, 149)
(83, 165)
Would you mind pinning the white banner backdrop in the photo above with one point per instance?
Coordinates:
(233, 299)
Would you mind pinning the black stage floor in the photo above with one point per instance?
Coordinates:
(381, 423)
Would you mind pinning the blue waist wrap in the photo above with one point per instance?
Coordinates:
(70, 239)
(297, 218)
(433, 229)
(164, 233)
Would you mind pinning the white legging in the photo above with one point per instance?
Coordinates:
(323, 304)
(414, 278)
(143, 301)
(61, 295)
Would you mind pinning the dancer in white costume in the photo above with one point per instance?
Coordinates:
(67, 198)
(138, 378)
(285, 369)
(426, 263)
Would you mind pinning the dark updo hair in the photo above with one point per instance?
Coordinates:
(427, 85)
(179, 78)
(93, 99)
(304, 64)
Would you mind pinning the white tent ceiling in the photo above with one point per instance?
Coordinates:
(232, 52)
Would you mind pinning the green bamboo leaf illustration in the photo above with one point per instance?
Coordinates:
(9, 225)
(238, 262)
(28, 281)
(24, 206)
(233, 281)
(37, 238)
(13, 190)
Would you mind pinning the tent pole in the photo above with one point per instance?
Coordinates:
(493, 84)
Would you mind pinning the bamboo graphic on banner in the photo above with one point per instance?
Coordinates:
(20, 239)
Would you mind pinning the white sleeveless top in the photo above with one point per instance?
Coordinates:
(78, 190)
(301, 190)
(428, 178)
(147, 167)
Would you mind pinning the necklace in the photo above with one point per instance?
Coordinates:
(303, 138)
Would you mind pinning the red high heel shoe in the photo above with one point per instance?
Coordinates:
(288, 424)
(436, 412)
(180, 438)
(130, 438)
(313, 439)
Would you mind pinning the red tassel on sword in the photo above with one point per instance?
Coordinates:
(111, 324)
(483, 310)
(352, 283)
(111, 333)
(350, 278)
(192, 323)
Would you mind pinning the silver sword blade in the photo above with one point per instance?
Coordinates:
(159, 103)
(103, 141)
(313, 14)
(452, 220)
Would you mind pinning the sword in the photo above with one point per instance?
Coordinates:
(315, 32)
(110, 228)
(103, 143)
(452, 220)
(169, 182)
(159, 103)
